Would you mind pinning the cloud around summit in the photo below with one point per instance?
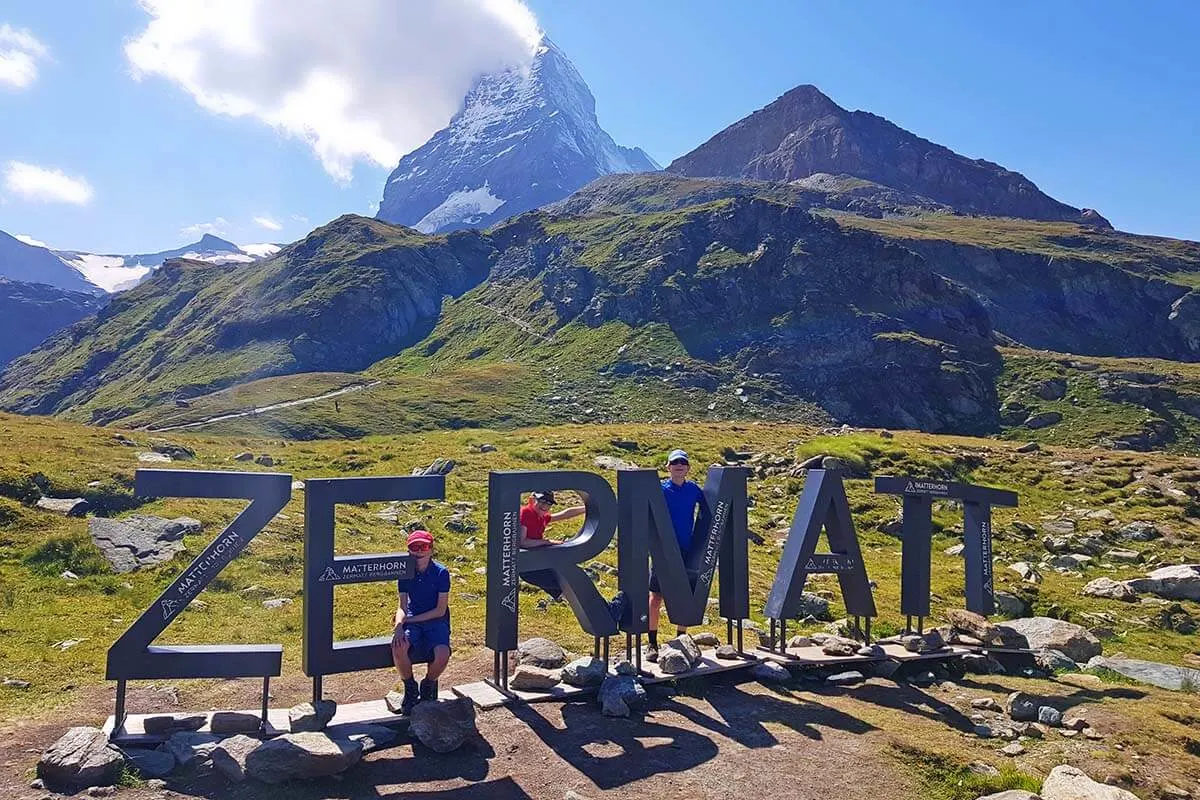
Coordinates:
(366, 80)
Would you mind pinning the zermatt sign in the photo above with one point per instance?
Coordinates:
(635, 514)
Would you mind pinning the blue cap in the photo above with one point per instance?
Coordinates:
(677, 455)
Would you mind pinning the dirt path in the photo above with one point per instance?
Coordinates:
(358, 387)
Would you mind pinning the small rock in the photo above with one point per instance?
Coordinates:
(728, 652)
(619, 695)
(1110, 589)
(1014, 749)
(244, 457)
(929, 642)
(15, 683)
(265, 460)
(101, 791)
(955, 550)
(769, 672)
(444, 726)
(706, 639)
(150, 763)
(986, 704)
(1022, 707)
(191, 749)
(73, 507)
(845, 678)
(394, 701)
(278, 602)
(168, 724)
(236, 722)
(1049, 715)
(371, 737)
(585, 672)
(838, 646)
(983, 731)
(527, 677)
(539, 652)
(305, 717)
(1029, 447)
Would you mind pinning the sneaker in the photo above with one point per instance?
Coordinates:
(616, 607)
(429, 690)
(651, 653)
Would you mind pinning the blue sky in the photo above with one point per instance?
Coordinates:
(1098, 104)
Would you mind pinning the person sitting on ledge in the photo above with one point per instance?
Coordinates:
(683, 498)
(534, 517)
(422, 622)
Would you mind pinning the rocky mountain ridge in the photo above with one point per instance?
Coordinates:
(804, 133)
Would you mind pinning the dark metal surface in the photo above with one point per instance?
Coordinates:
(822, 506)
(132, 656)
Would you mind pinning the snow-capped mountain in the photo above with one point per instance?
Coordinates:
(524, 138)
(78, 271)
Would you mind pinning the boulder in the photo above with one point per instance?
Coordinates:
(444, 726)
(770, 672)
(440, 466)
(176, 452)
(540, 652)
(585, 672)
(1011, 606)
(140, 540)
(528, 678)
(1069, 783)
(621, 694)
(229, 756)
(673, 661)
(1027, 573)
(82, 757)
(707, 639)
(813, 605)
(265, 460)
(1043, 420)
(689, 647)
(1164, 676)
(1038, 633)
(68, 507)
(306, 717)
(236, 722)
(244, 456)
(1022, 707)
(1121, 554)
(1178, 582)
(309, 754)
(1049, 715)
(1110, 590)
(150, 763)
(1052, 389)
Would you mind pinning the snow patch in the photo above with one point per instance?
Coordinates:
(260, 250)
(110, 273)
(464, 205)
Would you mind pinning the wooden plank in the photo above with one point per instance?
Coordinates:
(896, 652)
(483, 694)
(813, 656)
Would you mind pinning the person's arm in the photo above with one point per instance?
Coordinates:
(438, 611)
(568, 513)
(527, 543)
(703, 519)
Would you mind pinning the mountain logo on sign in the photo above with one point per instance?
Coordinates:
(169, 607)
(328, 575)
(510, 601)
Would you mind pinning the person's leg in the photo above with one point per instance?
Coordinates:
(546, 580)
(656, 602)
(402, 657)
(438, 637)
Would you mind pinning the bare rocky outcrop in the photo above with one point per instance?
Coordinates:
(140, 540)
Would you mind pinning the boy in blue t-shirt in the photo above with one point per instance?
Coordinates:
(683, 498)
(422, 622)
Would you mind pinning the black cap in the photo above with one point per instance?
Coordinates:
(544, 497)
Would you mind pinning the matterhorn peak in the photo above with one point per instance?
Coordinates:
(524, 137)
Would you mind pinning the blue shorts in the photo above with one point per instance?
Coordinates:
(693, 576)
(424, 637)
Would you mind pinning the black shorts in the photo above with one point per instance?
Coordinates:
(692, 574)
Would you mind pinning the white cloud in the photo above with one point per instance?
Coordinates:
(48, 185)
(268, 223)
(20, 52)
(367, 80)
(29, 240)
(216, 228)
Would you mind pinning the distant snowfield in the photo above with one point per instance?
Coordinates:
(261, 250)
(107, 272)
(464, 205)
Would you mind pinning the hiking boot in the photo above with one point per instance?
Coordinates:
(616, 607)
(412, 696)
(429, 690)
(651, 653)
